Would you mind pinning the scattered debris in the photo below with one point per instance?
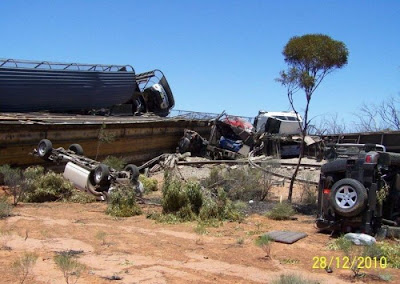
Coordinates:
(286, 237)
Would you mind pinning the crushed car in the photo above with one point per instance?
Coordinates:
(359, 190)
(230, 138)
(86, 174)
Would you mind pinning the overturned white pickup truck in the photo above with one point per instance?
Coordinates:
(86, 174)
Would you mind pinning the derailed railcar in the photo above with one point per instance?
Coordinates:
(29, 86)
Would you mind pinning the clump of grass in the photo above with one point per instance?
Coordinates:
(70, 267)
(340, 243)
(101, 235)
(122, 202)
(293, 279)
(281, 211)
(385, 277)
(309, 191)
(164, 218)
(289, 261)
(240, 241)
(201, 229)
(114, 162)
(23, 266)
(391, 252)
(265, 242)
(5, 207)
(149, 184)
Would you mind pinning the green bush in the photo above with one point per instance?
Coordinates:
(12, 176)
(281, 211)
(23, 266)
(49, 187)
(265, 243)
(70, 267)
(187, 201)
(174, 197)
(149, 184)
(340, 243)
(122, 202)
(195, 196)
(5, 207)
(114, 162)
(33, 173)
(220, 207)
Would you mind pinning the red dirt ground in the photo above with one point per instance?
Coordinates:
(142, 251)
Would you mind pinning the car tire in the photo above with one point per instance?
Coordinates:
(348, 197)
(100, 175)
(76, 148)
(133, 171)
(44, 148)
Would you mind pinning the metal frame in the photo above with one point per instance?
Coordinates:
(64, 66)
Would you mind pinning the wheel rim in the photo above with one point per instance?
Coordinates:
(42, 149)
(97, 176)
(346, 197)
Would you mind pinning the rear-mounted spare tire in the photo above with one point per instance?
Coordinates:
(76, 148)
(100, 174)
(44, 148)
(133, 171)
(348, 197)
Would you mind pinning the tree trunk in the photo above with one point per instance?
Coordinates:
(292, 180)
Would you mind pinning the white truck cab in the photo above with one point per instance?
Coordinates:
(283, 122)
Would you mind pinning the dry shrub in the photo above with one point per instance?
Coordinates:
(149, 184)
(13, 179)
(22, 267)
(49, 187)
(183, 199)
(188, 201)
(265, 242)
(122, 202)
(79, 196)
(70, 267)
(242, 183)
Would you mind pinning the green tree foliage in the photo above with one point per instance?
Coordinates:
(309, 58)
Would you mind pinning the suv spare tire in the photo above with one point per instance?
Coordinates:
(348, 197)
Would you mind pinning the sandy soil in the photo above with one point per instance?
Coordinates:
(141, 251)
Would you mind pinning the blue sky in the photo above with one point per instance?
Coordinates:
(217, 55)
